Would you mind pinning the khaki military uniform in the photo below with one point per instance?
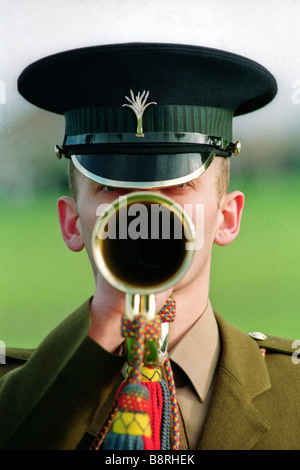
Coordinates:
(61, 396)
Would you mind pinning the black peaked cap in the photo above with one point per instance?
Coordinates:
(197, 91)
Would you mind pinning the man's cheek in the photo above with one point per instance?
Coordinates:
(196, 214)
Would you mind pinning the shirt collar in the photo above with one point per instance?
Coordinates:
(197, 352)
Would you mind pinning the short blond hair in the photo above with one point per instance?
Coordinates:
(72, 175)
(223, 176)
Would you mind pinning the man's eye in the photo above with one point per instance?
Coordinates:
(183, 185)
(107, 188)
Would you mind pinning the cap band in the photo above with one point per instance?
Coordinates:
(152, 137)
(161, 119)
(156, 143)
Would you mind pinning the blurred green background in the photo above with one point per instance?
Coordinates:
(254, 281)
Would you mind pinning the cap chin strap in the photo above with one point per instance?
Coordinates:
(152, 142)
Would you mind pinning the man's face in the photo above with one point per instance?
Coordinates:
(201, 191)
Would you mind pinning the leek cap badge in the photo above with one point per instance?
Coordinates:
(138, 106)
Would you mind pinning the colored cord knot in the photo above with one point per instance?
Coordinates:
(140, 419)
(167, 313)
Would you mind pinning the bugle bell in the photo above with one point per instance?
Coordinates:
(143, 243)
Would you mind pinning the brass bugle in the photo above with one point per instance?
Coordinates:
(143, 243)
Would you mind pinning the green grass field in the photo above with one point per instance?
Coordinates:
(254, 282)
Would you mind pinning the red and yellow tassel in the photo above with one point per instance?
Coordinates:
(145, 403)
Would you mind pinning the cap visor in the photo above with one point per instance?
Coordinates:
(136, 171)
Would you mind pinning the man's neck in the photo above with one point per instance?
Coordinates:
(191, 302)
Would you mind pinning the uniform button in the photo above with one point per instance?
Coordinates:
(257, 335)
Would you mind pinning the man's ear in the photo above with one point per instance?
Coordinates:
(69, 223)
(231, 208)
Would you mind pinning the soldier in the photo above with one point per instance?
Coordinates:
(173, 137)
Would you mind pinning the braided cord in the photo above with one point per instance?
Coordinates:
(103, 432)
(165, 419)
(142, 331)
(98, 441)
(174, 404)
(135, 329)
(167, 314)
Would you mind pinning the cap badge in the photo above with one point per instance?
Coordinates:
(138, 106)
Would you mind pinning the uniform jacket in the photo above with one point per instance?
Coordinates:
(59, 398)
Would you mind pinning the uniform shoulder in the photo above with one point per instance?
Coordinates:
(275, 343)
(18, 354)
(12, 358)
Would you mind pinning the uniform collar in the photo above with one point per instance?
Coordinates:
(202, 344)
